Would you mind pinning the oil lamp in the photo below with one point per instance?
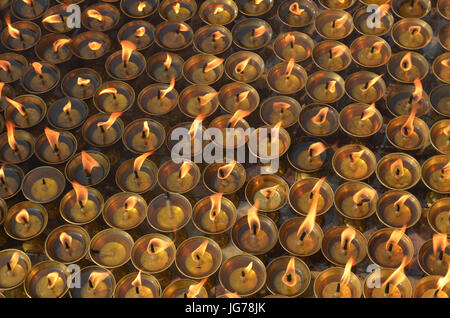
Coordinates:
(163, 66)
(394, 283)
(203, 69)
(438, 216)
(178, 177)
(406, 66)
(43, 184)
(29, 9)
(138, 285)
(54, 48)
(126, 64)
(81, 205)
(114, 97)
(440, 136)
(139, 32)
(290, 238)
(25, 220)
(338, 282)
(319, 120)
(280, 109)
(111, 248)
(244, 66)
(370, 51)
(411, 8)
(254, 233)
(268, 192)
(55, 19)
(16, 146)
(306, 191)
(288, 275)
(297, 13)
(334, 24)
(169, 212)
(226, 177)
(443, 37)
(432, 287)
(15, 265)
(191, 139)
(355, 200)
(435, 173)
(185, 288)
(138, 8)
(212, 39)
(434, 255)
(96, 282)
(81, 83)
(67, 113)
(390, 247)
(441, 67)
(25, 111)
(158, 99)
(325, 87)
(231, 140)
(308, 155)
(293, 45)
(143, 135)
(88, 168)
(252, 34)
(365, 87)
(331, 55)
(47, 279)
(90, 45)
(342, 244)
(40, 77)
(286, 77)
(365, 26)
(10, 181)
(442, 8)
(402, 98)
(440, 100)
(124, 210)
(198, 100)
(354, 162)
(220, 12)
(67, 244)
(243, 275)
(173, 36)
(12, 66)
(397, 208)
(360, 120)
(100, 17)
(408, 132)
(177, 11)
(20, 35)
(272, 142)
(411, 33)
(234, 96)
(103, 130)
(254, 7)
(54, 147)
(137, 175)
(398, 171)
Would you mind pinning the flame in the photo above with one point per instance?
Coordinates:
(232, 295)
(83, 81)
(5, 65)
(88, 162)
(167, 61)
(440, 243)
(127, 49)
(408, 127)
(269, 191)
(216, 205)
(137, 282)
(398, 275)
(130, 203)
(281, 106)
(378, 46)
(259, 31)
(396, 168)
(52, 278)
(347, 236)
(243, 96)
(140, 31)
(185, 167)
(195, 125)
(237, 116)
(94, 14)
(338, 51)
(139, 161)
(405, 62)
(445, 171)
(321, 116)
(248, 268)
(141, 6)
(383, 9)
(54, 18)
(258, 1)
(240, 67)
(218, 9)
(20, 108)
(22, 217)
(289, 277)
(446, 131)
(253, 220)
(52, 137)
(371, 83)
(2, 173)
(65, 239)
(183, 28)
(289, 67)
(355, 155)
(205, 99)
(81, 193)
(414, 29)
(395, 237)
(308, 223)
(289, 39)
(145, 129)
(316, 149)
(295, 8)
(217, 35)
(13, 261)
(369, 112)
(418, 89)
(331, 86)
(176, 8)
(111, 120)
(94, 45)
(345, 279)
(37, 67)
(365, 194)
(59, 43)
(213, 64)
(161, 245)
(194, 290)
(446, 62)
(13, 32)
(401, 201)
(339, 23)
(198, 253)
(443, 280)
(96, 278)
(225, 171)
(110, 90)
(10, 132)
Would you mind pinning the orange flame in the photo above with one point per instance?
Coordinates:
(248, 268)
(295, 8)
(141, 6)
(96, 278)
(345, 279)
(269, 191)
(37, 67)
(445, 171)
(240, 67)
(127, 49)
(83, 81)
(198, 253)
(52, 278)
(137, 282)
(176, 8)
(195, 125)
(408, 127)
(364, 195)
(383, 9)
(281, 106)
(253, 219)
(355, 155)
(440, 243)
(339, 23)
(183, 28)
(10, 132)
(216, 205)
(205, 99)
(289, 39)
(140, 31)
(225, 171)
(218, 35)
(232, 295)
(371, 83)
(88, 162)
(65, 239)
(23, 217)
(396, 168)
(130, 203)
(60, 43)
(5, 65)
(308, 223)
(446, 62)
(398, 275)
(195, 289)
(321, 116)
(54, 18)
(20, 108)
(13, 32)
(81, 193)
(110, 90)
(258, 1)
(13, 261)
(94, 45)
(338, 51)
(52, 137)
(156, 245)
(184, 169)
(401, 201)
(218, 9)
(347, 237)
(94, 14)
(414, 29)
(446, 131)
(167, 61)
(139, 161)
(289, 277)
(418, 89)
(395, 237)
(2, 173)
(259, 31)
(111, 120)
(331, 86)
(378, 46)
(211, 65)
(237, 116)
(289, 67)
(316, 149)
(243, 96)
(369, 112)
(145, 129)
(405, 62)
(444, 280)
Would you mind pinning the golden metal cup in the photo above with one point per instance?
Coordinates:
(303, 19)
(169, 37)
(343, 200)
(60, 26)
(394, 133)
(334, 275)
(190, 101)
(38, 273)
(439, 97)
(393, 215)
(69, 201)
(362, 16)
(206, 42)
(168, 180)
(243, 34)
(327, 128)
(106, 240)
(432, 263)
(56, 251)
(33, 31)
(229, 97)
(21, 270)
(427, 287)
(31, 104)
(160, 204)
(404, 288)
(131, 8)
(114, 66)
(157, 106)
(357, 84)
(343, 165)
(222, 122)
(158, 72)
(180, 288)
(351, 123)
(129, 31)
(398, 101)
(318, 87)
(34, 182)
(208, 14)
(441, 67)
(411, 40)
(325, 24)
(296, 45)
(433, 174)
(299, 195)
(323, 57)
(12, 181)
(134, 130)
(45, 51)
(186, 11)
(419, 67)
(273, 201)
(116, 202)
(301, 150)
(337, 4)
(91, 129)
(15, 73)
(70, 88)
(438, 139)
(280, 108)
(75, 172)
(390, 179)
(104, 289)
(110, 13)
(197, 63)
(80, 45)
(36, 84)
(23, 138)
(438, 216)
(58, 118)
(250, 73)
(411, 9)
(443, 36)
(125, 285)
(126, 171)
(291, 84)
(252, 8)
(442, 7)
(229, 184)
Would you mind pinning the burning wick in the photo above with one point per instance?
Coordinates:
(138, 162)
(347, 236)
(394, 239)
(365, 195)
(66, 241)
(52, 137)
(289, 278)
(11, 264)
(246, 270)
(253, 219)
(185, 167)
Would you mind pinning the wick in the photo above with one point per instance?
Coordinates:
(366, 87)
(2, 180)
(221, 173)
(204, 68)
(386, 290)
(302, 237)
(390, 247)
(242, 273)
(310, 153)
(410, 99)
(411, 3)
(137, 289)
(56, 149)
(289, 277)
(66, 245)
(360, 203)
(184, 295)
(345, 245)
(372, 49)
(43, 181)
(333, 25)
(292, 44)
(397, 207)
(91, 286)
(81, 204)
(254, 228)
(152, 248)
(436, 293)
(405, 130)
(136, 174)
(9, 266)
(331, 54)
(338, 288)
(102, 129)
(441, 255)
